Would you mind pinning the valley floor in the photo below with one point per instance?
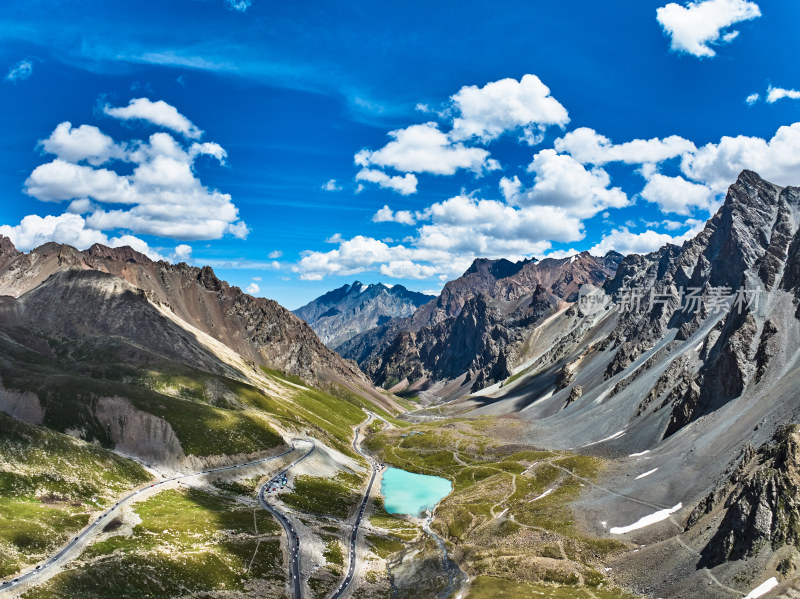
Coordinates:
(513, 526)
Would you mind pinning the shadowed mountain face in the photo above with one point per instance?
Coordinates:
(343, 313)
(469, 336)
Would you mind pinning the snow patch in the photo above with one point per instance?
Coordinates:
(616, 435)
(698, 347)
(636, 455)
(602, 396)
(647, 520)
(648, 473)
(762, 589)
(543, 495)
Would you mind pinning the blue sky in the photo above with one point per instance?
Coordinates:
(296, 147)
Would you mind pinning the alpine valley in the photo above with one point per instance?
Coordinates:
(610, 426)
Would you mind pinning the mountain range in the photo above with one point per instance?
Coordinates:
(84, 334)
(343, 313)
(634, 414)
(682, 365)
(473, 333)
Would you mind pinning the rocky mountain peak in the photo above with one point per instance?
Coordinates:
(7, 250)
(350, 310)
(472, 330)
(498, 269)
(118, 254)
(259, 330)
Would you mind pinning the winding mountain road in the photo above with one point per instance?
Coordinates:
(73, 548)
(291, 533)
(362, 508)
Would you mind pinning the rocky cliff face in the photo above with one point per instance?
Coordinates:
(343, 313)
(731, 268)
(472, 331)
(758, 507)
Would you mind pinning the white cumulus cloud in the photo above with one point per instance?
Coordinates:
(425, 149)
(563, 182)
(487, 112)
(161, 195)
(182, 252)
(158, 113)
(450, 234)
(454, 233)
(589, 147)
(252, 288)
(404, 185)
(677, 195)
(778, 93)
(752, 99)
(406, 269)
(625, 242)
(718, 164)
(352, 256)
(86, 142)
(693, 28)
(331, 185)
(387, 215)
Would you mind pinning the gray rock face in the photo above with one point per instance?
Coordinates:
(472, 330)
(749, 245)
(351, 310)
(759, 505)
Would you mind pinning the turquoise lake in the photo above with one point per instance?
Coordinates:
(408, 493)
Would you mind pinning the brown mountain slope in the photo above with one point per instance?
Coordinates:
(258, 329)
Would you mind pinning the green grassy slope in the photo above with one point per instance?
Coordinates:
(188, 543)
(211, 414)
(49, 484)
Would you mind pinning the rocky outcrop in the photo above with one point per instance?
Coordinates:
(7, 251)
(759, 505)
(351, 310)
(139, 433)
(22, 405)
(574, 394)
